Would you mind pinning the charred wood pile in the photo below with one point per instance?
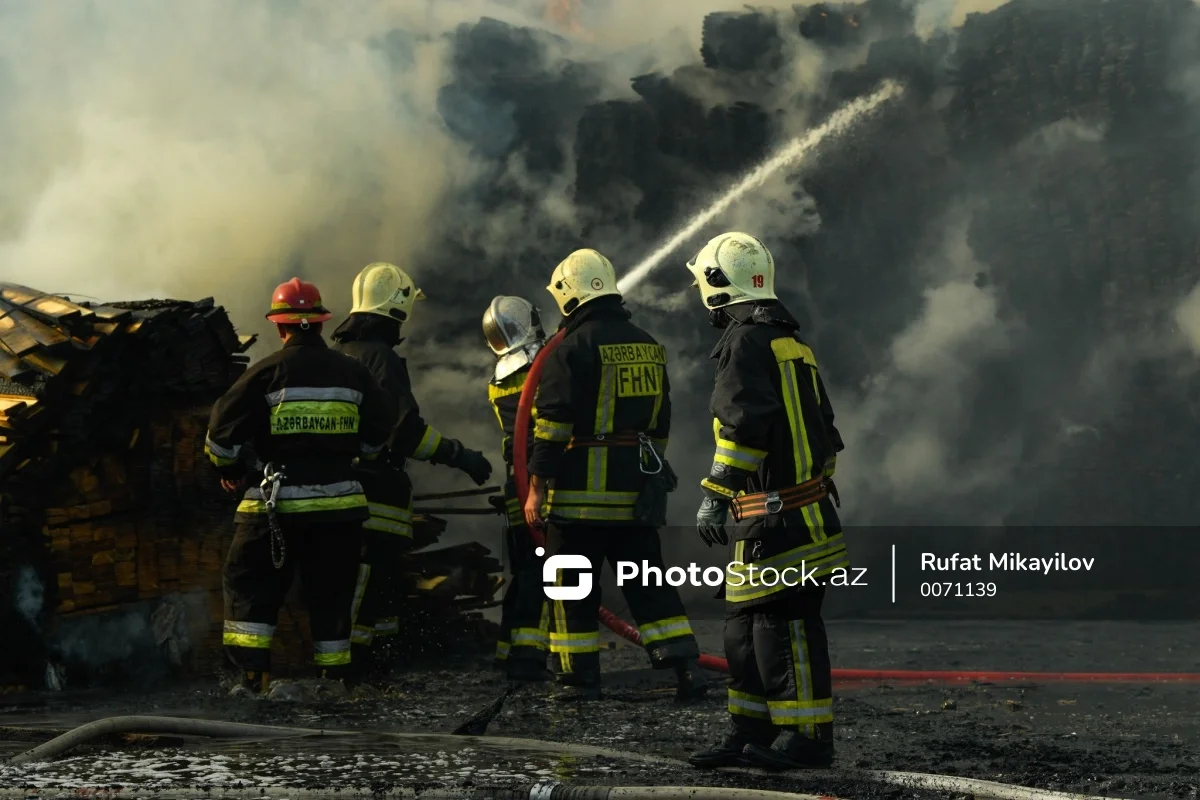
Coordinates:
(108, 505)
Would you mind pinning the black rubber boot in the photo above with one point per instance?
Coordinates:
(730, 750)
(690, 682)
(790, 750)
(577, 687)
(524, 670)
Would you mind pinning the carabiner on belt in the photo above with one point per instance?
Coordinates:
(647, 446)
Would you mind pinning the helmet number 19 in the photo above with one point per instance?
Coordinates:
(756, 281)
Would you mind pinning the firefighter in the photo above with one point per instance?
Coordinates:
(776, 450)
(383, 299)
(603, 418)
(512, 328)
(308, 412)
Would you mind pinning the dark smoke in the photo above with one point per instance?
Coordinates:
(997, 273)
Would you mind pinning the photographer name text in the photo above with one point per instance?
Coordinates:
(1005, 562)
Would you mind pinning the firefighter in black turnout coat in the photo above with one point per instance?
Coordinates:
(513, 331)
(383, 299)
(597, 473)
(776, 450)
(308, 412)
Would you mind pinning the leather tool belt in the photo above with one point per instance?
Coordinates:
(618, 439)
(762, 504)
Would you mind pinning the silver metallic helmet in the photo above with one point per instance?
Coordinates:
(513, 330)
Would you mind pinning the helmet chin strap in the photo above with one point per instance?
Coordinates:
(718, 318)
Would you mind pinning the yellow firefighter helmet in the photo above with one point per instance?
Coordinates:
(733, 268)
(386, 290)
(580, 278)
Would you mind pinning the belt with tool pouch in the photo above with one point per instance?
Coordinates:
(619, 439)
(624, 439)
(761, 504)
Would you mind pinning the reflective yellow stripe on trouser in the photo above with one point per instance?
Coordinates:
(389, 519)
(331, 653)
(565, 643)
(804, 712)
(744, 704)
(663, 629)
(256, 635)
(360, 634)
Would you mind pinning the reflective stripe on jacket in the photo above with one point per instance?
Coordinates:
(773, 422)
(606, 376)
(310, 411)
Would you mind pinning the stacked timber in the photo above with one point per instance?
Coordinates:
(108, 505)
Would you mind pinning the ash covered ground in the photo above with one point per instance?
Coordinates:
(1125, 740)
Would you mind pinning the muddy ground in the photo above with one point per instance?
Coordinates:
(1124, 740)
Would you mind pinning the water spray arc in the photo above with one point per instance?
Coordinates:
(839, 122)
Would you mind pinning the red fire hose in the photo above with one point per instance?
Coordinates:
(718, 664)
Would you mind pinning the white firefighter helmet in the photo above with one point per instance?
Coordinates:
(513, 330)
(580, 278)
(733, 268)
(386, 290)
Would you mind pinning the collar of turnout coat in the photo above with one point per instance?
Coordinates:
(611, 306)
(305, 339)
(368, 328)
(770, 312)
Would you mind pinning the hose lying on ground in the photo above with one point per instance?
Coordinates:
(718, 664)
(181, 726)
(216, 728)
(552, 791)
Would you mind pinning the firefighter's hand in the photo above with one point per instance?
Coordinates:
(533, 503)
(230, 486)
(710, 520)
(475, 465)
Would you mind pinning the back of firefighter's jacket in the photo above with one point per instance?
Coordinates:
(385, 479)
(772, 418)
(310, 411)
(604, 384)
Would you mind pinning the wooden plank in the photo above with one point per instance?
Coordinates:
(52, 306)
(46, 335)
(15, 405)
(45, 362)
(12, 367)
(15, 338)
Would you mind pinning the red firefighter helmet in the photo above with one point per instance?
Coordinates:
(295, 302)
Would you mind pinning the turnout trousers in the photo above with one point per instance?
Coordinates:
(326, 556)
(387, 536)
(525, 612)
(779, 667)
(661, 619)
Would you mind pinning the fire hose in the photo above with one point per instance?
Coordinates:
(718, 664)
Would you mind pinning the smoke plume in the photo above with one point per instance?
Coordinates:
(991, 275)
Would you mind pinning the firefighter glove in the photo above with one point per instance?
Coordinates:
(474, 464)
(710, 520)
